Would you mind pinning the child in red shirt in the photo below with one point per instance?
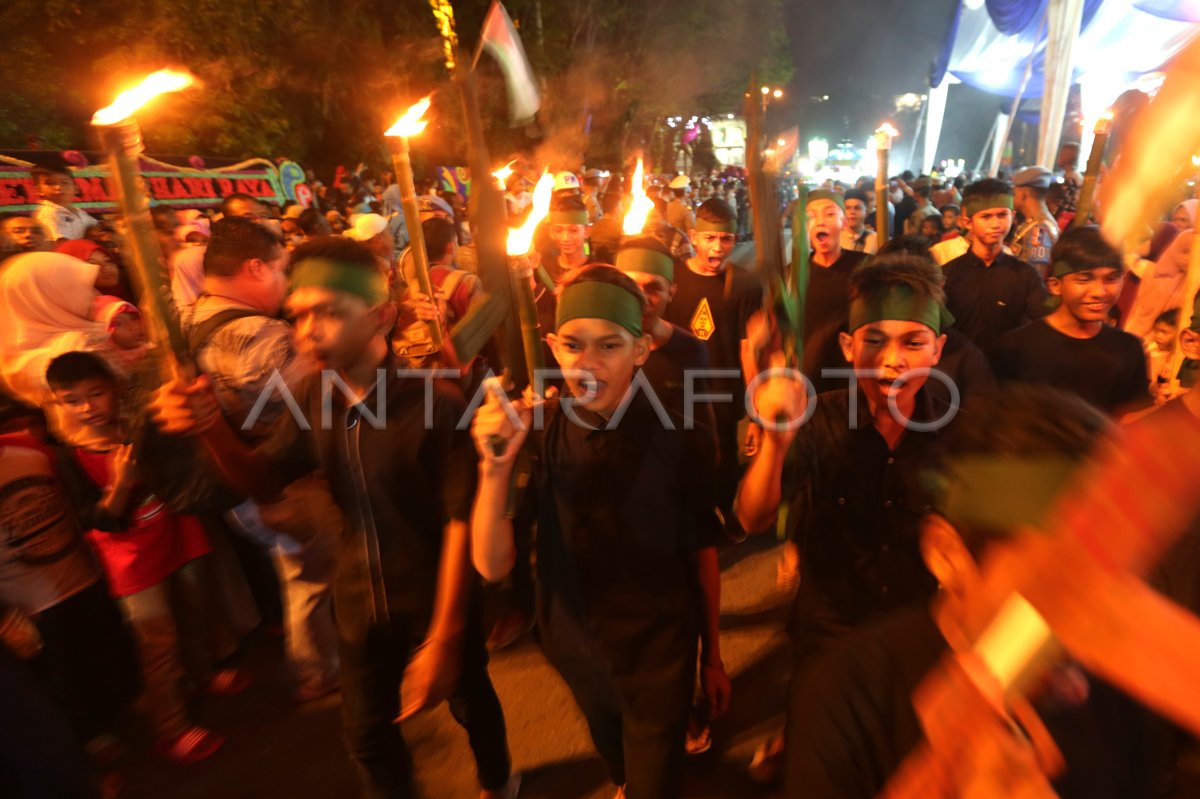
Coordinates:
(143, 548)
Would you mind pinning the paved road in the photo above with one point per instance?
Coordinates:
(278, 750)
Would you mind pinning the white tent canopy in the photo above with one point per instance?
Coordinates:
(1105, 46)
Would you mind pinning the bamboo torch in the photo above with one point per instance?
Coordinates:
(1087, 195)
(520, 240)
(411, 124)
(518, 245)
(121, 138)
(883, 146)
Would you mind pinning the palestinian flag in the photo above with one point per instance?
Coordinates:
(500, 39)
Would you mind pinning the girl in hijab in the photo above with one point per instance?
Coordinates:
(1184, 214)
(1161, 286)
(109, 280)
(46, 299)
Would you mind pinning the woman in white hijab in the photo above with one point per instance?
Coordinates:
(45, 310)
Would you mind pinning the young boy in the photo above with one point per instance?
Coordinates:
(673, 354)
(673, 350)
(1072, 348)
(714, 300)
(143, 547)
(57, 213)
(403, 587)
(989, 291)
(1160, 348)
(623, 504)
(855, 498)
(852, 723)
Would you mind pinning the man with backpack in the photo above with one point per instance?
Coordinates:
(247, 352)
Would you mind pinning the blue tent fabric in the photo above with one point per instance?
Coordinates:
(1014, 16)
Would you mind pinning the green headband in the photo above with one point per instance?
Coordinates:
(1000, 492)
(901, 303)
(652, 262)
(1061, 268)
(705, 226)
(973, 205)
(340, 276)
(568, 217)
(592, 299)
(826, 194)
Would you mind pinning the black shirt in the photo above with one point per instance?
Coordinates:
(855, 515)
(852, 723)
(715, 309)
(667, 367)
(1108, 369)
(397, 488)
(828, 298)
(989, 301)
(620, 511)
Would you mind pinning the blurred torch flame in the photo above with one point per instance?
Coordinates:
(1104, 122)
(412, 122)
(130, 100)
(520, 239)
(502, 174)
(1161, 141)
(635, 219)
(884, 135)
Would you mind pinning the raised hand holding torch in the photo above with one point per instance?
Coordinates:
(121, 138)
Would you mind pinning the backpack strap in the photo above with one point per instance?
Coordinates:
(199, 335)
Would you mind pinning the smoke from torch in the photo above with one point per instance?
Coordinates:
(635, 219)
(521, 238)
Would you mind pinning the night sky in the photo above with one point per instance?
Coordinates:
(862, 55)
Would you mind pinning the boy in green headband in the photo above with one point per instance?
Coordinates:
(828, 285)
(567, 224)
(989, 291)
(623, 500)
(1074, 348)
(673, 350)
(715, 300)
(855, 501)
(403, 590)
(851, 723)
(674, 353)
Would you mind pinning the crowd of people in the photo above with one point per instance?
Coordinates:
(296, 477)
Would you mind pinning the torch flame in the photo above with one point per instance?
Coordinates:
(130, 100)
(412, 122)
(521, 238)
(887, 128)
(635, 219)
(1103, 123)
(502, 174)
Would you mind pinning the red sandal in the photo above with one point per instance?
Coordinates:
(194, 745)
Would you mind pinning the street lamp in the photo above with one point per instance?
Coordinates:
(769, 92)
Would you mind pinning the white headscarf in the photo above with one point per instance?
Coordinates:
(46, 307)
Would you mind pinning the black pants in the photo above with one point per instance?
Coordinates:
(373, 664)
(89, 662)
(638, 724)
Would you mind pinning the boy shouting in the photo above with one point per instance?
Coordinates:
(623, 498)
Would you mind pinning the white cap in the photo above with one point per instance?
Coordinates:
(566, 181)
(679, 182)
(366, 227)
